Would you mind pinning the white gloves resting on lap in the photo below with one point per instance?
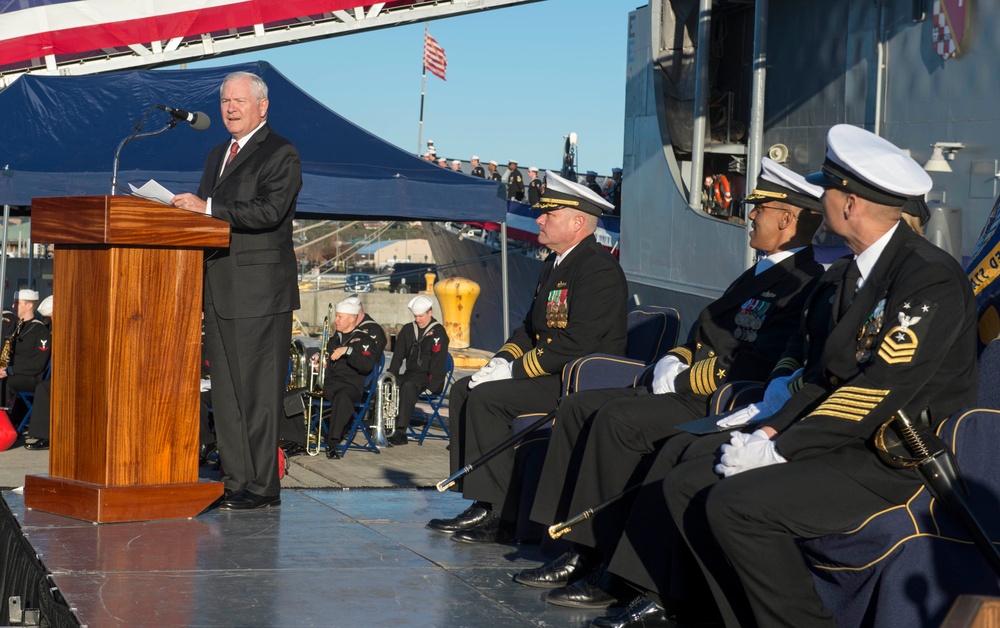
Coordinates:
(497, 369)
(665, 373)
(747, 451)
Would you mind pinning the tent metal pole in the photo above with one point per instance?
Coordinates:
(3, 252)
(423, 90)
(505, 278)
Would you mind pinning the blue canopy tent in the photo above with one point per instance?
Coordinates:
(60, 134)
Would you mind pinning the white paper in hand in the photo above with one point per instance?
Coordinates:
(152, 191)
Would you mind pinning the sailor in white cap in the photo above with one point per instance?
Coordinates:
(604, 440)
(591, 180)
(492, 167)
(477, 169)
(890, 327)
(534, 186)
(30, 347)
(456, 165)
(442, 162)
(579, 308)
(38, 427)
(515, 183)
(419, 362)
(354, 350)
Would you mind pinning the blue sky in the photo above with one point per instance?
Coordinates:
(519, 79)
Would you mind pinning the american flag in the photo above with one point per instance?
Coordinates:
(434, 57)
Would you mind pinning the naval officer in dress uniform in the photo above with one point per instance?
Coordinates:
(515, 182)
(579, 308)
(891, 327)
(601, 437)
(423, 348)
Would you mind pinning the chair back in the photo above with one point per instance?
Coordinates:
(652, 331)
(989, 376)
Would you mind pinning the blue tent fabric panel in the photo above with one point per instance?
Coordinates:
(60, 135)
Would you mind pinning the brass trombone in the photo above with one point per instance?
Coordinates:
(314, 437)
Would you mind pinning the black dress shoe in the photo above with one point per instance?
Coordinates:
(245, 500)
(333, 451)
(39, 445)
(398, 438)
(469, 518)
(292, 449)
(589, 592)
(641, 613)
(491, 530)
(565, 569)
(227, 493)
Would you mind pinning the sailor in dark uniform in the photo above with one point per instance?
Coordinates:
(534, 186)
(38, 427)
(601, 437)
(354, 350)
(592, 182)
(579, 308)
(494, 175)
(614, 194)
(892, 326)
(30, 349)
(423, 348)
(477, 169)
(515, 183)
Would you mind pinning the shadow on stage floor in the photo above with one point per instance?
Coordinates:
(324, 558)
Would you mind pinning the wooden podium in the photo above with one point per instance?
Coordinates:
(126, 365)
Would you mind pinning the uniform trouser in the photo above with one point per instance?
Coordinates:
(205, 434)
(743, 528)
(342, 397)
(599, 445)
(651, 555)
(489, 414)
(249, 363)
(38, 427)
(410, 387)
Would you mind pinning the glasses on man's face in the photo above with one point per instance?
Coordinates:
(762, 207)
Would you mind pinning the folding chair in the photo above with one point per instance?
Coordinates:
(436, 401)
(361, 411)
(28, 398)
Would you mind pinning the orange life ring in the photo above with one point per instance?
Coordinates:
(722, 192)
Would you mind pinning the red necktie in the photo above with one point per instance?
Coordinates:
(233, 149)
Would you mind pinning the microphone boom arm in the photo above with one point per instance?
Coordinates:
(136, 135)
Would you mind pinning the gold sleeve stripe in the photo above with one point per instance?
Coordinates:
(703, 377)
(850, 403)
(512, 349)
(531, 364)
(787, 363)
(683, 353)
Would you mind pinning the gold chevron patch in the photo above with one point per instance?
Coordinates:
(898, 346)
(702, 377)
(512, 349)
(683, 353)
(850, 402)
(531, 365)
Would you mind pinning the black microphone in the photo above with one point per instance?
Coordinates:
(199, 120)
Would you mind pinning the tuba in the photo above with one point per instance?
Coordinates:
(314, 437)
(297, 354)
(386, 408)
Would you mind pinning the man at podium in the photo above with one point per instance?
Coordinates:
(251, 181)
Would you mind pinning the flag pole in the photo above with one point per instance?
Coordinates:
(423, 89)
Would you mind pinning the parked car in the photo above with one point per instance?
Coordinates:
(358, 282)
(409, 277)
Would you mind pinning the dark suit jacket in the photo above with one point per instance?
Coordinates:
(579, 308)
(256, 195)
(743, 333)
(921, 354)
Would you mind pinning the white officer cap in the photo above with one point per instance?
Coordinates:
(350, 305)
(45, 307)
(26, 295)
(860, 162)
(778, 183)
(558, 192)
(533, 169)
(419, 304)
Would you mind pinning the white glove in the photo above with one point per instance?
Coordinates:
(743, 454)
(665, 372)
(775, 396)
(487, 368)
(501, 372)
